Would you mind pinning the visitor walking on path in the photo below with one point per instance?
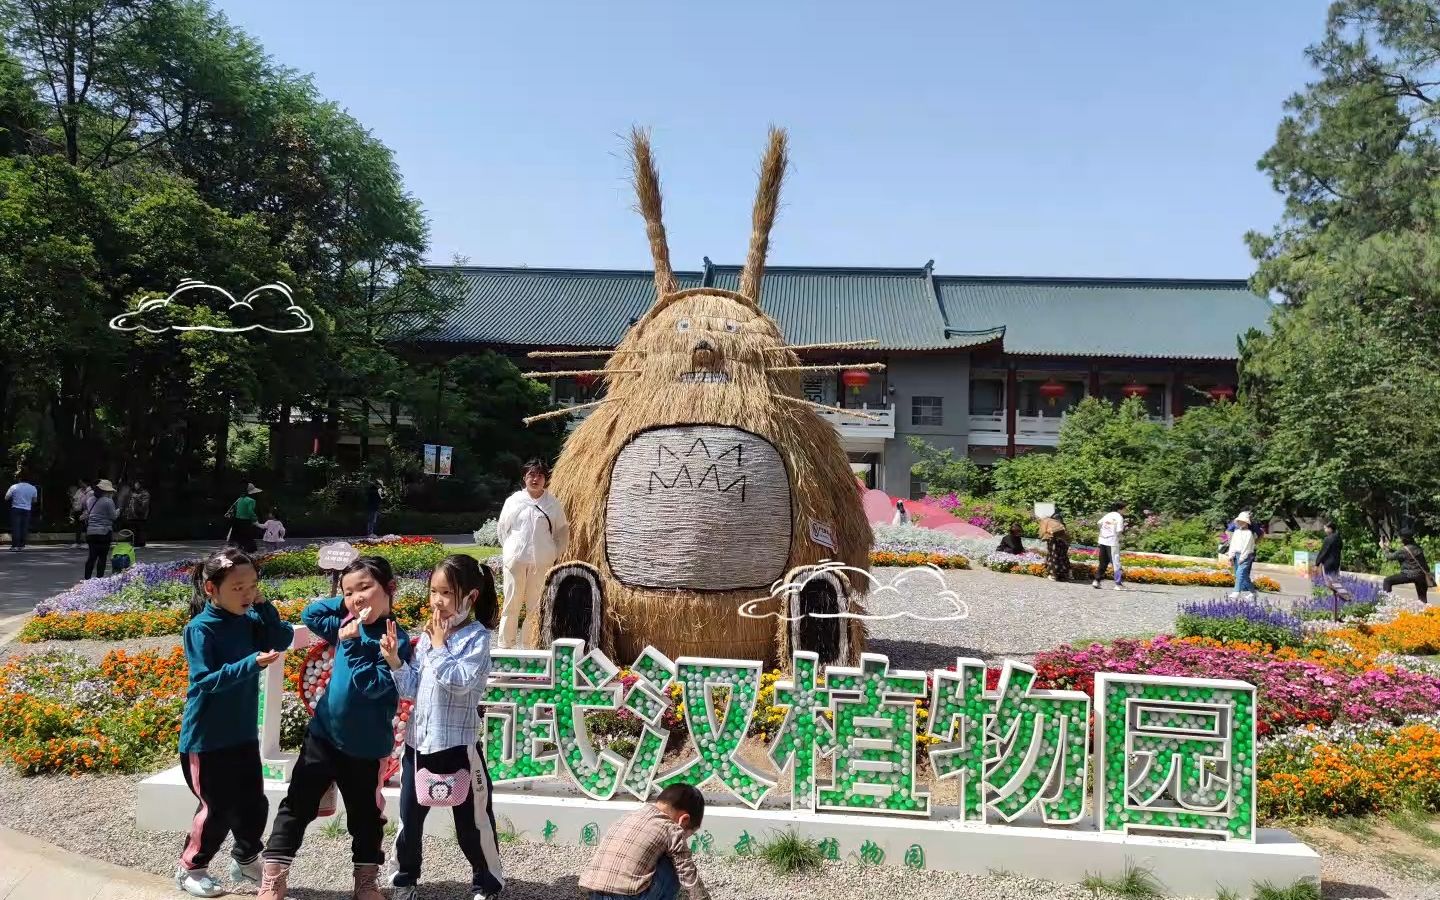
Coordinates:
(442, 764)
(1112, 525)
(1242, 555)
(1413, 568)
(1331, 550)
(21, 498)
(99, 525)
(374, 494)
(137, 511)
(533, 532)
(243, 520)
(80, 497)
(1057, 547)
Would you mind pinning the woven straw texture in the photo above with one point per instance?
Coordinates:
(699, 507)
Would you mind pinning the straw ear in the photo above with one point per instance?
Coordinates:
(767, 203)
(647, 190)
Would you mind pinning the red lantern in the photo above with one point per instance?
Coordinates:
(1135, 389)
(1052, 390)
(585, 381)
(1221, 392)
(855, 379)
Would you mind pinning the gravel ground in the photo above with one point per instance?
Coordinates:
(1017, 616)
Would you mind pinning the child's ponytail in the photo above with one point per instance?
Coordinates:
(215, 569)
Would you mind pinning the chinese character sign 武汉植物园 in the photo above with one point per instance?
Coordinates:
(1172, 755)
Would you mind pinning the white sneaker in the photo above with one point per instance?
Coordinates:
(1095, 585)
(251, 871)
(1119, 587)
(198, 884)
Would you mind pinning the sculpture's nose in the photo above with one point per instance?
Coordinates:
(704, 355)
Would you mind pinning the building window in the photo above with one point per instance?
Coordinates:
(917, 488)
(987, 397)
(927, 411)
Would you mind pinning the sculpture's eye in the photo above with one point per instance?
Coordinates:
(682, 326)
(732, 326)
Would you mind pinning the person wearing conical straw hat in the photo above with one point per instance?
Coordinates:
(243, 519)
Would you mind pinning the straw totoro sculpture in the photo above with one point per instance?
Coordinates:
(703, 480)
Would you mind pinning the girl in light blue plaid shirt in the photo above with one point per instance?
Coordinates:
(443, 764)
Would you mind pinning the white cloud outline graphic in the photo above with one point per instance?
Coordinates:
(782, 590)
(307, 322)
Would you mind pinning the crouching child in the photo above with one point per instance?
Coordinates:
(646, 855)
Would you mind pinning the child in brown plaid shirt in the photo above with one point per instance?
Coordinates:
(644, 856)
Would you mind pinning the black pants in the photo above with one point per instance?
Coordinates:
(99, 554)
(321, 764)
(1107, 556)
(474, 820)
(79, 527)
(1418, 580)
(138, 526)
(231, 791)
(19, 526)
(242, 535)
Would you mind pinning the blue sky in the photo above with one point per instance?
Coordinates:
(1031, 138)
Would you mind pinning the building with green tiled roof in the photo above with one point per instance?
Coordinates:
(985, 365)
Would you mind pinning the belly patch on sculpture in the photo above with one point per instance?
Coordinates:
(698, 507)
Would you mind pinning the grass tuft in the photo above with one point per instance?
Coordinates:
(335, 827)
(790, 854)
(1137, 883)
(1415, 824)
(1224, 893)
(1300, 890)
(505, 832)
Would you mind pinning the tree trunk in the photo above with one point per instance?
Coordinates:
(364, 432)
(222, 446)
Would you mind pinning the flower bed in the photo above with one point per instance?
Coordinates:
(61, 713)
(1147, 560)
(1240, 619)
(1414, 634)
(1347, 770)
(406, 554)
(907, 560)
(1295, 689)
(1197, 576)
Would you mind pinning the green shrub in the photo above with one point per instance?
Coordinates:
(1180, 537)
(1281, 548)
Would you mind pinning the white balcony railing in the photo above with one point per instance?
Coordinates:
(856, 431)
(1033, 431)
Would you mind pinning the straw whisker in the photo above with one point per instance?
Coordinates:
(579, 354)
(874, 367)
(560, 413)
(570, 372)
(833, 345)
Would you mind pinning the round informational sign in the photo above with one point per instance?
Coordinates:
(334, 557)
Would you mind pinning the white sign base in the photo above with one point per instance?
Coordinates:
(540, 813)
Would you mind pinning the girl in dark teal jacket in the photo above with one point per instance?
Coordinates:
(232, 635)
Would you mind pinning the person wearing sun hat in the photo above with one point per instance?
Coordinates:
(1242, 554)
(244, 522)
(99, 524)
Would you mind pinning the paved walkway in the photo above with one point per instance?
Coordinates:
(31, 869)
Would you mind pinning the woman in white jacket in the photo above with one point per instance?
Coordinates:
(533, 532)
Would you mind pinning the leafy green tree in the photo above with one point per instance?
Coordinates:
(943, 472)
(1206, 464)
(1345, 386)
